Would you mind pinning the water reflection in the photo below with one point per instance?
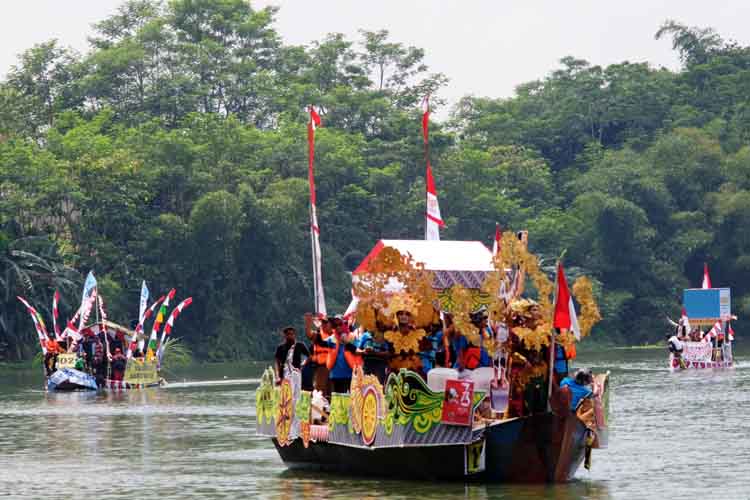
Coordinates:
(197, 440)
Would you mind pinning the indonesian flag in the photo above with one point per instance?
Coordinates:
(565, 312)
(713, 332)
(706, 277)
(320, 300)
(426, 118)
(433, 220)
(498, 237)
(56, 314)
(684, 320)
(730, 331)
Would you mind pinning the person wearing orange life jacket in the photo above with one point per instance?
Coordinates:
(470, 356)
(342, 358)
(320, 348)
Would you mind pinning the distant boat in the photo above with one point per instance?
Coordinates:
(704, 335)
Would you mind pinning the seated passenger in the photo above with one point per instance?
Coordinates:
(579, 387)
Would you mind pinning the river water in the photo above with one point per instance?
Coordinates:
(682, 435)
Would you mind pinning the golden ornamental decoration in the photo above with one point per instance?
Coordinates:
(537, 324)
(409, 362)
(390, 271)
(583, 291)
(405, 343)
(366, 316)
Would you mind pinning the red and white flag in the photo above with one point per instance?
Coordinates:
(730, 331)
(498, 237)
(706, 277)
(713, 332)
(433, 220)
(684, 320)
(565, 311)
(56, 314)
(320, 301)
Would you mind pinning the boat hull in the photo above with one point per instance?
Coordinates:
(70, 379)
(537, 449)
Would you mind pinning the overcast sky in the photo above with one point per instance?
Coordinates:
(485, 48)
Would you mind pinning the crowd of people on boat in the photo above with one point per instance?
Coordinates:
(336, 346)
(682, 333)
(100, 356)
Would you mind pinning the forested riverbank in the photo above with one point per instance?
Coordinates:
(174, 151)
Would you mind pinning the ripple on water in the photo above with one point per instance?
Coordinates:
(673, 435)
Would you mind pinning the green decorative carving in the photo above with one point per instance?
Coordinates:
(388, 423)
(339, 410)
(266, 398)
(410, 401)
(303, 407)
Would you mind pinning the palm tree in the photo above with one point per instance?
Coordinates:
(30, 266)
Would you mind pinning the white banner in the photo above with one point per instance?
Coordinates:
(697, 351)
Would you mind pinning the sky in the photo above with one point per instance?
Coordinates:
(485, 47)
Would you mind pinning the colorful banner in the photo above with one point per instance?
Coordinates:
(151, 352)
(87, 299)
(143, 302)
(139, 329)
(36, 318)
(458, 402)
(170, 323)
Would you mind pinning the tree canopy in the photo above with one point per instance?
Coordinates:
(174, 151)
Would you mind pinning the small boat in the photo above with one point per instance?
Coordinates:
(70, 379)
(104, 355)
(704, 334)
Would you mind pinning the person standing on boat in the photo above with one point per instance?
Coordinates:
(674, 343)
(342, 358)
(119, 362)
(320, 348)
(289, 353)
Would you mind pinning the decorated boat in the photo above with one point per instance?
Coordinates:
(511, 421)
(493, 403)
(92, 353)
(704, 335)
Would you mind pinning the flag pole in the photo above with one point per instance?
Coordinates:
(426, 149)
(552, 342)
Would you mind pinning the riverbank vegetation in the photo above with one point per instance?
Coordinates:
(175, 151)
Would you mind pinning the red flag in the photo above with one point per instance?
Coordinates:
(311, 126)
(320, 302)
(498, 237)
(706, 277)
(426, 118)
(565, 313)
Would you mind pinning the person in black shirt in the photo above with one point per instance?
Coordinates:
(289, 352)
